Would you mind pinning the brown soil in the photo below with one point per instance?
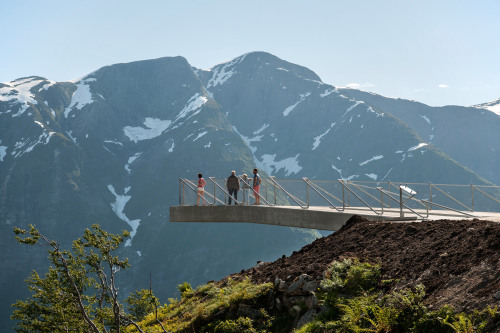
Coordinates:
(457, 261)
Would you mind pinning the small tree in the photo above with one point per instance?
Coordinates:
(79, 291)
(141, 303)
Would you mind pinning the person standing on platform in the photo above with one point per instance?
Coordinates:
(245, 188)
(233, 186)
(201, 189)
(256, 186)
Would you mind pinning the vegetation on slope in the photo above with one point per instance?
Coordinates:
(78, 293)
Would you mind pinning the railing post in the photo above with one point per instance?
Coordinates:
(265, 184)
(307, 184)
(348, 197)
(343, 196)
(389, 192)
(382, 201)
(430, 195)
(214, 193)
(472, 194)
(401, 214)
(180, 192)
(274, 187)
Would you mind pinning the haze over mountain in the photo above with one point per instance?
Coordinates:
(110, 148)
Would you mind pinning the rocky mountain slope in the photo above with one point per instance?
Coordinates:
(110, 147)
(417, 268)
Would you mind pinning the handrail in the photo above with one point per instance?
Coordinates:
(360, 187)
(273, 179)
(313, 187)
(328, 193)
(455, 210)
(253, 191)
(452, 198)
(400, 202)
(212, 179)
(341, 181)
(193, 188)
(486, 194)
(363, 191)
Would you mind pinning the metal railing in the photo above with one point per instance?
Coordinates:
(420, 199)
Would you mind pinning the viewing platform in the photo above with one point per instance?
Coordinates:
(327, 205)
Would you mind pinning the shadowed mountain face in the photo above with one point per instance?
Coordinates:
(110, 148)
(469, 135)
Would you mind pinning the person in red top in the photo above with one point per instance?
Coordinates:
(201, 189)
(256, 186)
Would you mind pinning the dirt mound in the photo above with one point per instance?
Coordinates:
(457, 261)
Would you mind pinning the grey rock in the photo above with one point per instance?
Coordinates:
(310, 286)
(290, 301)
(247, 311)
(295, 309)
(306, 318)
(311, 301)
(497, 295)
(279, 304)
(298, 283)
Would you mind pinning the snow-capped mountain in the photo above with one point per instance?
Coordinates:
(493, 106)
(110, 147)
(469, 137)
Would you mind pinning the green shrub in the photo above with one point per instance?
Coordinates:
(141, 303)
(240, 325)
(185, 289)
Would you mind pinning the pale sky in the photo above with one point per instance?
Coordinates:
(436, 52)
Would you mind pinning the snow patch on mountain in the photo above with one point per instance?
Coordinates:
(192, 107)
(426, 119)
(420, 145)
(374, 158)
(119, 206)
(371, 175)
(114, 142)
(493, 106)
(291, 107)
(171, 149)
(260, 130)
(81, 97)
(154, 127)
(20, 91)
(131, 160)
(317, 140)
(338, 170)
(19, 150)
(47, 85)
(249, 141)
(224, 71)
(290, 164)
(70, 134)
(3, 152)
(328, 92)
(200, 135)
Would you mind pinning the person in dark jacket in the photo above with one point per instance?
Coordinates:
(233, 186)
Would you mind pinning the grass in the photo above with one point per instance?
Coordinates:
(198, 307)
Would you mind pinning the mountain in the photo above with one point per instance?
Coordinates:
(493, 106)
(109, 148)
(469, 135)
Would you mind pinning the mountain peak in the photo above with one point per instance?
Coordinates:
(493, 106)
(258, 60)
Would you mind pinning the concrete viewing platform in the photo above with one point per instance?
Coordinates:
(327, 205)
(322, 218)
